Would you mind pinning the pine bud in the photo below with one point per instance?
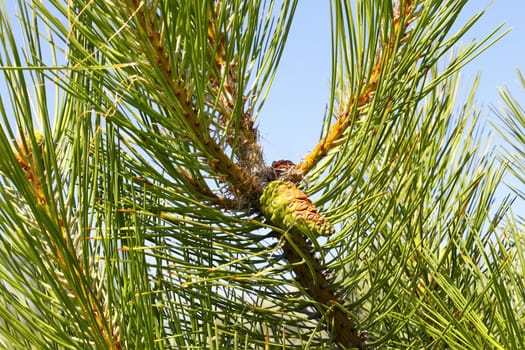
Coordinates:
(288, 207)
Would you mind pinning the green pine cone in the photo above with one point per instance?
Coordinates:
(288, 207)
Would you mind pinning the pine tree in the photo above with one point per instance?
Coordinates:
(137, 210)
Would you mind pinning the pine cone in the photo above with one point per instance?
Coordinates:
(288, 207)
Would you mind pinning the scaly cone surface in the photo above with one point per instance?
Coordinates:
(288, 207)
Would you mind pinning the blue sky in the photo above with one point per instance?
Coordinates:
(291, 119)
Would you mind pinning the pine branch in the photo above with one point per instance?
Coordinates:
(242, 182)
(61, 250)
(320, 290)
(287, 207)
(357, 101)
(243, 138)
(142, 220)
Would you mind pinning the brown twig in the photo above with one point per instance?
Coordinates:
(242, 136)
(405, 14)
(320, 290)
(29, 163)
(241, 178)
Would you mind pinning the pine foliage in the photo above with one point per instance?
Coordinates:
(137, 210)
